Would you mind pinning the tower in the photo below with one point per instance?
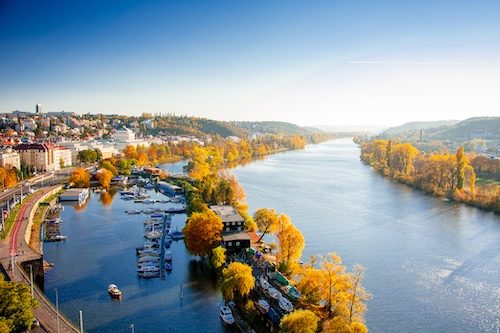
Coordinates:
(38, 108)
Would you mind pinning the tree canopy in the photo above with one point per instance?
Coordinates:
(299, 321)
(238, 280)
(16, 306)
(203, 232)
(80, 178)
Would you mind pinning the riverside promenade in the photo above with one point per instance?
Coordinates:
(15, 253)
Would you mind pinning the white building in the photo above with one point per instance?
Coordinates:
(62, 157)
(123, 135)
(10, 159)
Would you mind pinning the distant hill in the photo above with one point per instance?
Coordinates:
(417, 126)
(274, 127)
(487, 128)
(480, 134)
(184, 125)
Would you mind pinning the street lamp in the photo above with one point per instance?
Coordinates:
(132, 327)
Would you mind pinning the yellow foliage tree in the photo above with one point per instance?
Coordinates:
(299, 321)
(104, 176)
(218, 258)
(266, 220)
(238, 281)
(203, 232)
(290, 243)
(80, 178)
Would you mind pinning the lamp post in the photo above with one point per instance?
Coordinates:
(57, 309)
(132, 327)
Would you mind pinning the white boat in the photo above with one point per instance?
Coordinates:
(263, 306)
(263, 283)
(285, 304)
(274, 293)
(226, 315)
(133, 212)
(153, 234)
(151, 253)
(176, 199)
(114, 291)
(168, 255)
(60, 237)
(148, 259)
(143, 269)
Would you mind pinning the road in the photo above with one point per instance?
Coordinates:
(14, 249)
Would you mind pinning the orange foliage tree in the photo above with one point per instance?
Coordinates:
(80, 178)
(203, 232)
(104, 177)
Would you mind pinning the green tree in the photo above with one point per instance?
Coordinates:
(16, 306)
(299, 321)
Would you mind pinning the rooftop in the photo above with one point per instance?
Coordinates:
(227, 213)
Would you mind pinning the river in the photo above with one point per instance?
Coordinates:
(431, 265)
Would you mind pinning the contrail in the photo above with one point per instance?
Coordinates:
(424, 63)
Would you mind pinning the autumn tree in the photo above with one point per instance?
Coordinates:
(203, 232)
(218, 258)
(10, 179)
(3, 174)
(130, 151)
(266, 220)
(108, 165)
(238, 281)
(80, 178)
(299, 321)
(356, 296)
(290, 243)
(460, 170)
(104, 176)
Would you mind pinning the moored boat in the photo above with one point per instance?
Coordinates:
(263, 306)
(226, 315)
(176, 235)
(114, 291)
(285, 304)
(263, 283)
(274, 293)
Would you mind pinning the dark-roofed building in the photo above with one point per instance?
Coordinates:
(232, 220)
(236, 241)
(40, 156)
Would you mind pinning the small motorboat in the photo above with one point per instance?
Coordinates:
(148, 268)
(148, 275)
(153, 234)
(274, 293)
(175, 199)
(263, 283)
(263, 306)
(168, 255)
(176, 235)
(285, 304)
(226, 315)
(168, 266)
(292, 292)
(133, 212)
(114, 291)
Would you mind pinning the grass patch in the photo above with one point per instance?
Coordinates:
(12, 217)
(480, 181)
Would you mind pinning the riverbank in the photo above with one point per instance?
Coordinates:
(443, 175)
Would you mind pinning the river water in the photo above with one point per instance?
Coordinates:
(432, 265)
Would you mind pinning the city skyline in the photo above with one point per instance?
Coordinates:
(329, 63)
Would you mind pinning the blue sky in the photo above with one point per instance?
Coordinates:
(315, 62)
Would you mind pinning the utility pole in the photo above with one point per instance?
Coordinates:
(81, 321)
(31, 281)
